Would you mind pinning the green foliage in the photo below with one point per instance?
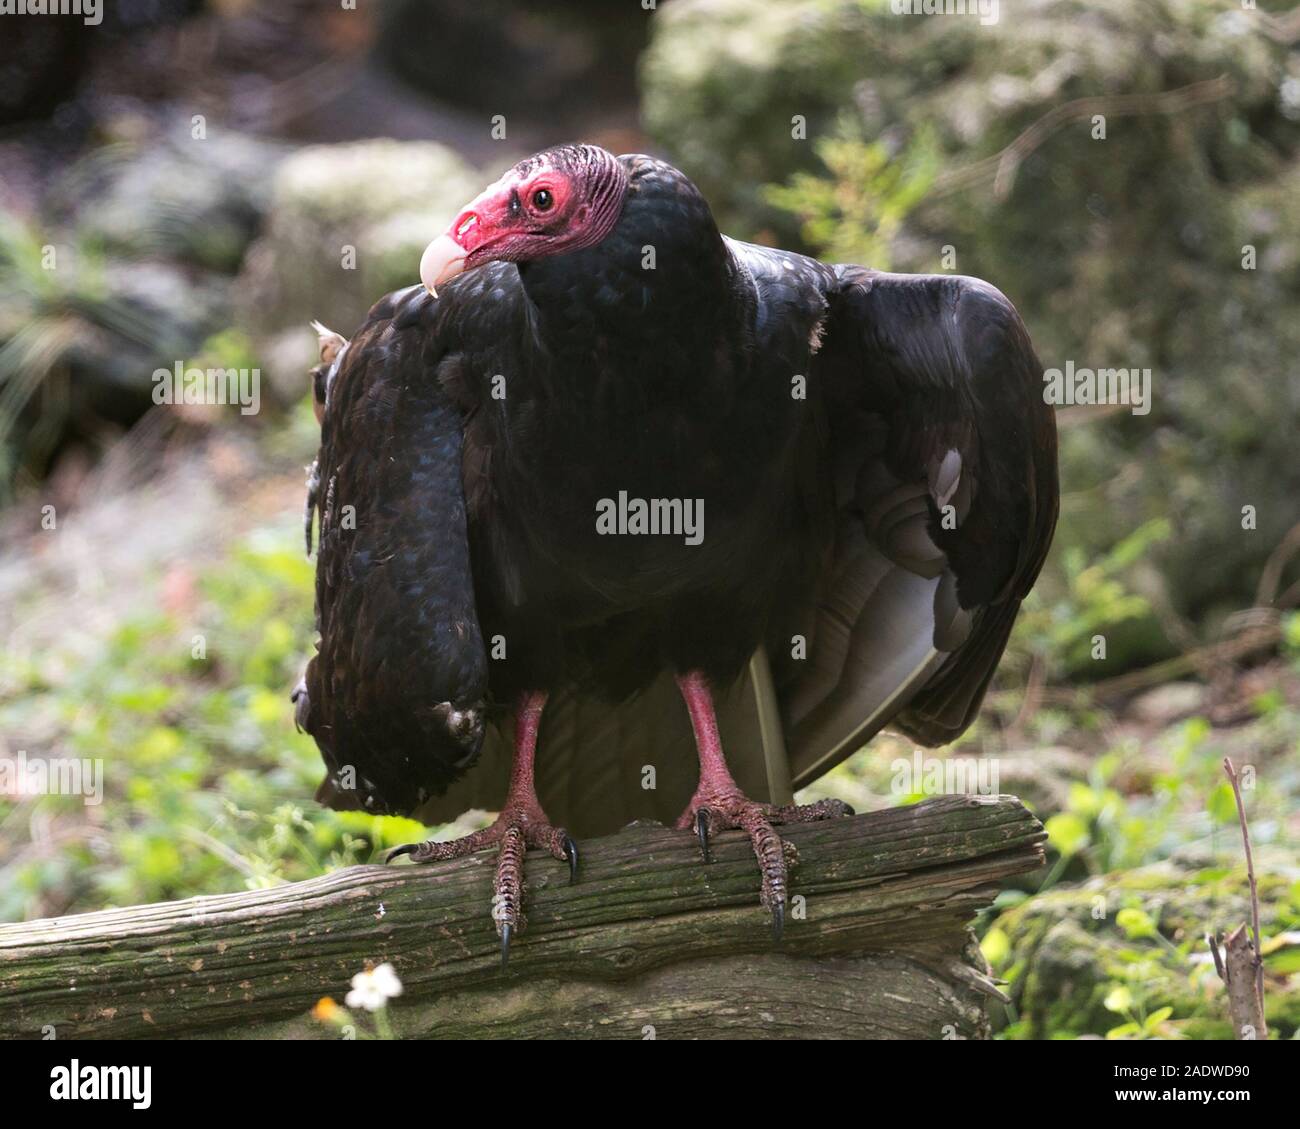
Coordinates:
(853, 214)
(723, 84)
(1131, 947)
(1139, 1025)
(1089, 597)
(205, 780)
(228, 348)
(1150, 847)
(1105, 828)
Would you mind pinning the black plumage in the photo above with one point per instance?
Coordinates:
(395, 696)
(874, 457)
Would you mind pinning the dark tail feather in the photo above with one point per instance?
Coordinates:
(943, 710)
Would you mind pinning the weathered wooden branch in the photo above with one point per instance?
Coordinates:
(650, 942)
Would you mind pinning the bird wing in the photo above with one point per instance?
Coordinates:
(394, 696)
(942, 455)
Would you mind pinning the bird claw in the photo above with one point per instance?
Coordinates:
(508, 886)
(778, 921)
(513, 834)
(776, 857)
(702, 832)
(571, 853)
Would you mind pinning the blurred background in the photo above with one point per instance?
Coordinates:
(194, 180)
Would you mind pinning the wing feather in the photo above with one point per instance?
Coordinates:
(945, 463)
(395, 696)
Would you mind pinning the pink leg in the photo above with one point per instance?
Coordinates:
(522, 824)
(719, 804)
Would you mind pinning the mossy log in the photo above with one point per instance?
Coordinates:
(651, 942)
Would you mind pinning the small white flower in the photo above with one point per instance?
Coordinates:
(373, 989)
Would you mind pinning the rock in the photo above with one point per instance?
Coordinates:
(347, 224)
(166, 312)
(195, 201)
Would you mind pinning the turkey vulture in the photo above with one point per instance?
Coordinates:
(604, 446)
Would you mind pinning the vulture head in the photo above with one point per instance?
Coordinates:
(561, 200)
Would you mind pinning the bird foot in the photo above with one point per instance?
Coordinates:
(711, 812)
(516, 830)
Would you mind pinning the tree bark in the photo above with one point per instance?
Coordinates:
(650, 943)
(1239, 968)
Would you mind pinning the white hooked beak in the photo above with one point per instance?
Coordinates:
(443, 259)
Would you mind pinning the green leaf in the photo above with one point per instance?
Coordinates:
(1136, 923)
(1067, 833)
(1222, 804)
(996, 946)
(1118, 999)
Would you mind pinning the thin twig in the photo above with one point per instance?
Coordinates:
(1231, 770)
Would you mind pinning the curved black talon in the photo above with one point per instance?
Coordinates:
(405, 849)
(778, 920)
(571, 849)
(505, 944)
(702, 832)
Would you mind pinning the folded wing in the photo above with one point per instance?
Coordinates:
(943, 457)
(395, 696)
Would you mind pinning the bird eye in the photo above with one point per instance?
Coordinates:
(542, 199)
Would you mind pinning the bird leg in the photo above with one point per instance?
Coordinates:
(522, 824)
(719, 804)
